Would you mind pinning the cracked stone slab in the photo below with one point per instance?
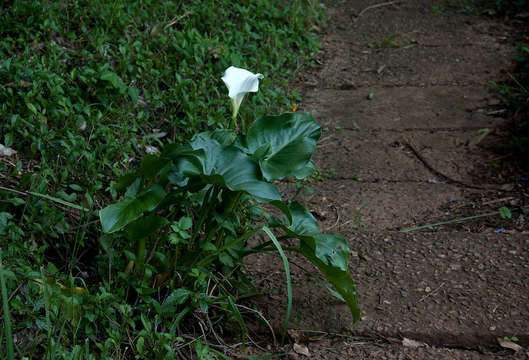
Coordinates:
(378, 205)
(375, 155)
(426, 107)
(367, 157)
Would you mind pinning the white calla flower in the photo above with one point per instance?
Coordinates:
(239, 82)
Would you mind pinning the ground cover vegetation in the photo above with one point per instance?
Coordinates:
(99, 98)
(515, 94)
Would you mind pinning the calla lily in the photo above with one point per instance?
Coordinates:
(239, 82)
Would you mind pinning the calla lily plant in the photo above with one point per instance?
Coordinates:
(239, 82)
(199, 202)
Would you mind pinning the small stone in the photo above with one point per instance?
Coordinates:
(492, 328)
(404, 293)
(427, 289)
(301, 349)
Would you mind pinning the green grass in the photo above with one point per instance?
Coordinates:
(85, 88)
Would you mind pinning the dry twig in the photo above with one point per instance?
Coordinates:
(431, 293)
(416, 152)
(377, 6)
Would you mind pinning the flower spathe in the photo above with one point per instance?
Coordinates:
(240, 82)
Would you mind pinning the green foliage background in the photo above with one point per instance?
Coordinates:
(84, 87)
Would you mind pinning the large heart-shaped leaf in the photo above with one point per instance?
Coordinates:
(340, 279)
(283, 144)
(331, 249)
(224, 137)
(145, 226)
(116, 216)
(328, 252)
(226, 166)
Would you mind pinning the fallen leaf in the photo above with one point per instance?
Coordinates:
(155, 134)
(151, 149)
(509, 344)
(5, 151)
(412, 343)
(301, 349)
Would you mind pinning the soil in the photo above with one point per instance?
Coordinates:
(411, 137)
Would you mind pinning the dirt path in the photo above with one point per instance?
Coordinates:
(402, 94)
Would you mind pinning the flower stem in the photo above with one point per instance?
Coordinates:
(232, 122)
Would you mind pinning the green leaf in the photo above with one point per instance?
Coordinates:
(76, 187)
(60, 201)
(151, 165)
(226, 166)
(177, 297)
(209, 247)
(328, 252)
(238, 317)
(15, 201)
(32, 108)
(226, 259)
(303, 223)
(224, 137)
(134, 188)
(185, 223)
(125, 181)
(332, 250)
(144, 226)
(115, 80)
(116, 216)
(341, 280)
(134, 94)
(306, 171)
(68, 197)
(283, 144)
(505, 213)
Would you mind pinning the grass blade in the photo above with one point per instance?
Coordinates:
(60, 201)
(238, 317)
(453, 221)
(287, 274)
(7, 318)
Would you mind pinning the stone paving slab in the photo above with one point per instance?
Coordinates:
(403, 108)
(408, 44)
(406, 281)
(397, 156)
(378, 205)
(424, 286)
